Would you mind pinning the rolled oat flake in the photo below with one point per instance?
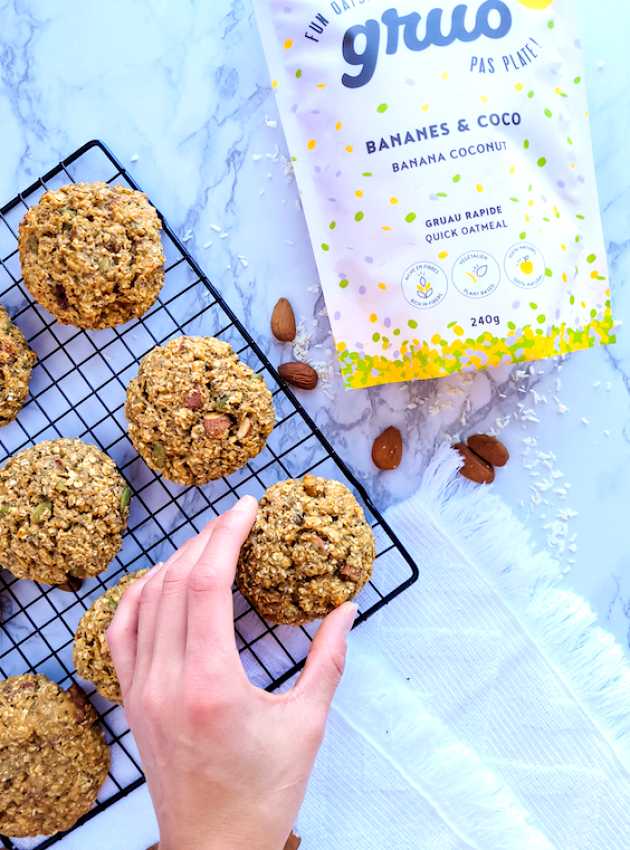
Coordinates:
(443, 154)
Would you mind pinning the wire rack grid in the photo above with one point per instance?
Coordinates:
(78, 390)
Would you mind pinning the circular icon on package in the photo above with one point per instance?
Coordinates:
(476, 274)
(424, 285)
(525, 266)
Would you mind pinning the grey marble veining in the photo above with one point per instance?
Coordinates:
(180, 91)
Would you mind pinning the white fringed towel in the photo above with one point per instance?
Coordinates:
(482, 710)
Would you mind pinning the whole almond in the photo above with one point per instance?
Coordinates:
(283, 321)
(475, 468)
(293, 842)
(299, 375)
(489, 449)
(387, 449)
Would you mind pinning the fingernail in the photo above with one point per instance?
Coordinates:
(352, 609)
(245, 504)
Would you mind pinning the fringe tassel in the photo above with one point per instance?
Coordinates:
(495, 542)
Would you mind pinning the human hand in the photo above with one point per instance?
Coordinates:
(227, 764)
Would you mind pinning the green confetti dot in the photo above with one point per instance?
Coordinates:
(577, 81)
(548, 273)
(396, 331)
(541, 319)
(533, 305)
(522, 235)
(382, 107)
(376, 337)
(332, 225)
(580, 216)
(593, 314)
(325, 246)
(298, 73)
(511, 326)
(591, 258)
(569, 140)
(441, 195)
(359, 216)
(343, 283)
(551, 24)
(410, 217)
(548, 113)
(526, 144)
(412, 324)
(457, 178)
(572, 299)
(366, 174)
(515, 200)
(541, 162)
(530, 94)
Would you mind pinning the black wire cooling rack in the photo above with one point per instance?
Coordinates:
(78, 390)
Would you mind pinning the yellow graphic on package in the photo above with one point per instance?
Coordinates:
(424, 287)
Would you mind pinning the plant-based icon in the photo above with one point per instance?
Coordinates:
(477, 273)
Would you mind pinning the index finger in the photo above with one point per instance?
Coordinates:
(210, 642)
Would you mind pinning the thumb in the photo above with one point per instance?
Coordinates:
(327, 657)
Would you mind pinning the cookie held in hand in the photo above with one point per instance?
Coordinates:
(310, 550)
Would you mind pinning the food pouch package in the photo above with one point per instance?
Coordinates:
(444, 160)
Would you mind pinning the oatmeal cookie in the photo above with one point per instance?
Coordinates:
(53, 759)
(92, 254)
(196, 412)
(16, 363)
(92, 658)
(63, 511)
(309, 551)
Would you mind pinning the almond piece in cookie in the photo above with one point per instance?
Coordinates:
(196, 411)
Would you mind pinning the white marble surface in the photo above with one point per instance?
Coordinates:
(180, 91)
